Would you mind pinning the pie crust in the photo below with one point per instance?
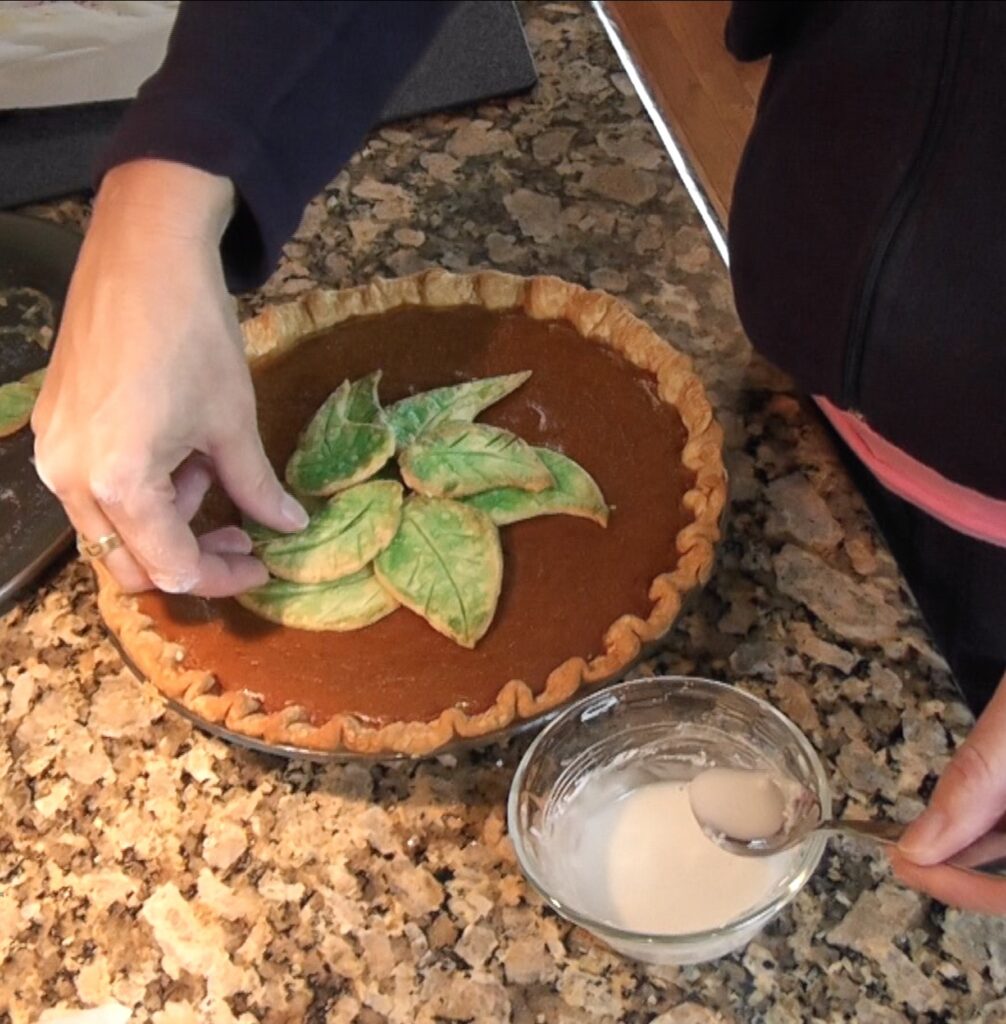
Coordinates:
(597, 317)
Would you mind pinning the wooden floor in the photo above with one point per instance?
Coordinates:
(706, 97)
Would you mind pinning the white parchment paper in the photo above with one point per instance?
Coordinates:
(63, 53)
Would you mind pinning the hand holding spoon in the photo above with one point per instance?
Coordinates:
(755, 813)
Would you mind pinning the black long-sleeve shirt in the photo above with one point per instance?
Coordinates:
(275, 95)
(866, 238)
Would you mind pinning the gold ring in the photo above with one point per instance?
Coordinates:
(92, 550)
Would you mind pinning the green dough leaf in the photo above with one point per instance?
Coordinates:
(362, 404)
(344, 536)
(453, 460)
(445, 564)
(461, 402)
(35, 379)
(261, 535)
(350, 603)
(17, 400)
(575, 494)
(347, 441)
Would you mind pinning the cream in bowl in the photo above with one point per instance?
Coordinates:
(602, 822)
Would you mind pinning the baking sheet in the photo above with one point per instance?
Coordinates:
(36, 260)
(480, 53)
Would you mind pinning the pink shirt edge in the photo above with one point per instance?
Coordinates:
(961, 508)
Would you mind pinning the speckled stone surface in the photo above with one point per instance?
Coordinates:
(151, 873)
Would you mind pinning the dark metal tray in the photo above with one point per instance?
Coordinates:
(37, 255)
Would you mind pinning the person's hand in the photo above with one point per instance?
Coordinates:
(969, 800)
(148, 394)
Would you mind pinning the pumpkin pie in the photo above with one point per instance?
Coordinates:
(578, 597)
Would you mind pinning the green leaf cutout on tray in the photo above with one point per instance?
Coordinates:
(445, 564)
(453, 460)
(17, 399)
(461, 402)
(346, 534)
(350, 603)
(347, 441)
(16, 403)
(575, 493)
(35, 379)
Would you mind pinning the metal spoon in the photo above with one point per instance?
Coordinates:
(786, 812)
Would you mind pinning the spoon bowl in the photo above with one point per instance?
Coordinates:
(753, 812)
(758, 813)
(801, 815)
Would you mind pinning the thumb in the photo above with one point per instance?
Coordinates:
(970, 797)
(246, 475)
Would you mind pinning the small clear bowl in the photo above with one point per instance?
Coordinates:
(666, 728)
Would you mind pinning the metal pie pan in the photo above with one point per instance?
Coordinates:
(341, 756)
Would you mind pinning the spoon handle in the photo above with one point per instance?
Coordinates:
(987, 856)
(887, 832)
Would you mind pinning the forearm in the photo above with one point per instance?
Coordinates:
(168, 199)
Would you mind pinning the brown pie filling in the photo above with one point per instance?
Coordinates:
(565, 580)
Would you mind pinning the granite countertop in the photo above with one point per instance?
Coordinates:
(159, 875)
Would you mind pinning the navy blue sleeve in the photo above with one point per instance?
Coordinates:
(275, 95)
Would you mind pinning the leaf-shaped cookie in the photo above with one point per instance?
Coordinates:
(350, 603)
(462, 402)
(17, 400)
(453, 460)
(575, 493)
(347, 441)
(446, 564)
(344, 536)
(362, 404)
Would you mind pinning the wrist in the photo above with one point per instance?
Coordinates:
(167, 198)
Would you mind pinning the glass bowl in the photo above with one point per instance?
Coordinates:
(639, 732)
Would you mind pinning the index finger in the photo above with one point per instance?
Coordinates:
(956, 888)
(155, 531)
(971, 795)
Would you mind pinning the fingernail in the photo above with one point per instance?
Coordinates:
(174, 584)
(922, 836)
(259, 578)
(293, 512)
(242, 543)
